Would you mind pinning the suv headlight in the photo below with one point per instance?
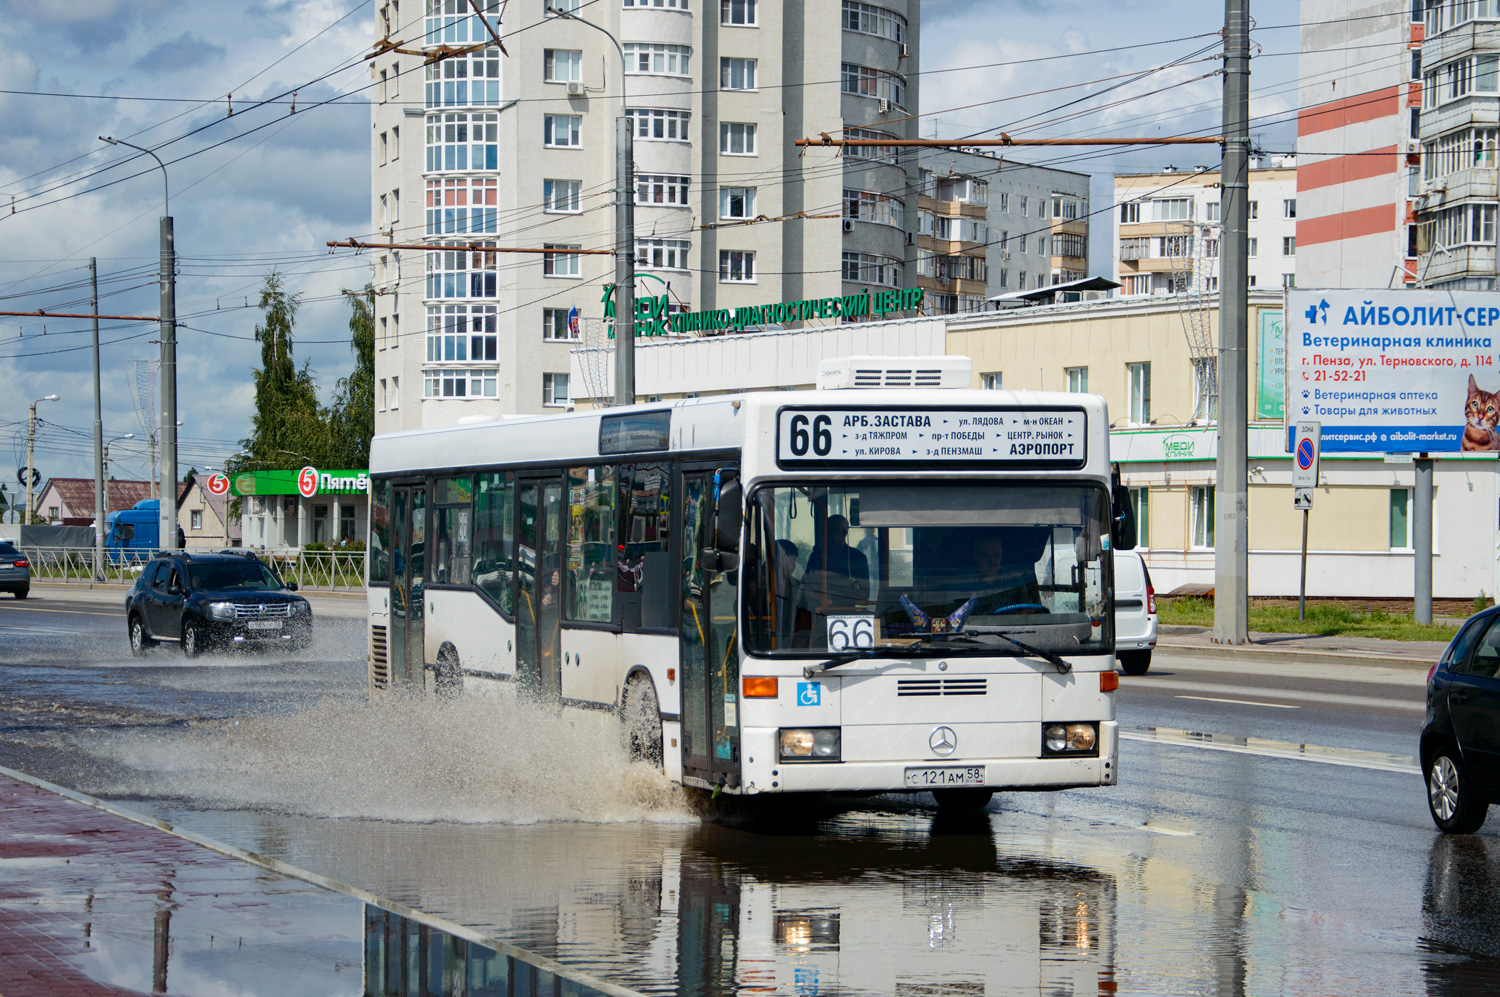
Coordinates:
(1069, 739)
(808, 744)
(301, 608)
(221, 610)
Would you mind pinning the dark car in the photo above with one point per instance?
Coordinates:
(1461, 738)
(205, 601)
(15, 571)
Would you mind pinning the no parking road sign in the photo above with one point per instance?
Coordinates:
(1306, 447)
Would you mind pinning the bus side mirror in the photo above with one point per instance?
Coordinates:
(1123, 529)
(714, 561)
(729, 516)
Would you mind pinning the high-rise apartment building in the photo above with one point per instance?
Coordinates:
(517, 149)
(1167, 229)
(988, 227)
(1358, 128)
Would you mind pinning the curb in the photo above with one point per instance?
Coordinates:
(1257, 652)
(51, 586)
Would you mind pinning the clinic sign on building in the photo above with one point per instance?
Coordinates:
(1395, 370)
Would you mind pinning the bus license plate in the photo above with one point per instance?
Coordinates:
(969, 775)
(265, 624)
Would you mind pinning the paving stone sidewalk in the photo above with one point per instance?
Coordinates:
(1303, 647)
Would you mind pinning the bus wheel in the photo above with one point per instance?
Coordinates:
(962, 800)
(642, 722)
(448, 676)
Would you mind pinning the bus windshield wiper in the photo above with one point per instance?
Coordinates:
(1036, 652)
(842, 659)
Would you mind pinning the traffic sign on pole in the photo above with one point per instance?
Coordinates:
(1306, 449)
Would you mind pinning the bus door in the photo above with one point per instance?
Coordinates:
(408, 571)
(709, 646)
(540, 554)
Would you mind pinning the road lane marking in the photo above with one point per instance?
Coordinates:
(1417, 704)
(1265, 748)
(1241, 702)
(45, 630)
(69, 612)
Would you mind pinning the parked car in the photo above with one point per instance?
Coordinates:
(206, 601)
(1460, 746)
(15, 571)
(1135, 613)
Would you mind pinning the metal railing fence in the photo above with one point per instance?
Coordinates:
(314, 570)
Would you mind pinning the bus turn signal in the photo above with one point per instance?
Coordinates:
(1109, 681)
(760, 686)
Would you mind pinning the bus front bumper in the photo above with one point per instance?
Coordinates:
(764, 773)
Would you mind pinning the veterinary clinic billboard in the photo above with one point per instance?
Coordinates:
(1395, 371)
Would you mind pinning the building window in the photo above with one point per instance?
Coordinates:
(1289, 245)
(461, 80)
(1254, 246)
(555, 326)
(668, 4)
(737, 202)
(1139, 381)
(867, 268)
(1172, 209)
(1004, 201)
(554, 390)
(649, 58)
(561, 65)
(1211, 211)
(736, 139)
(1021, 280)
(1140, 506)
(736, 266)
(459, 382)
(1078, 379)
(738, 12)
(870, 82)
(562, 131)
(1254, 210)
(662, 254)
(1400, 519)
(1004, 278)
(1021, 243)
(881, 153)
(868, 206)
(462, 205)
(660, 188)
(1130, 212)
(460, 273)
(559, 264)
(560, 196)
(1464, 223)
(1024, 202)
(990, 381)
(869, 19)
(658, 124)
(461, 334)
(384, 148)
(457, 141)
(1289, 207)
(1288, 280)
(383, 396)
(395, 144)
(1203, 518)
(737, 74)
(395, 392)
(196, 522)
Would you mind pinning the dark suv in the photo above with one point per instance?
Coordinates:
(204, 601)
(1461, 738)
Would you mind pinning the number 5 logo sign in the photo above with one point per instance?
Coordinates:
(851, 632)
(307, 482)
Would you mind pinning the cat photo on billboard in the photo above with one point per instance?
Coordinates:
(1481, 417)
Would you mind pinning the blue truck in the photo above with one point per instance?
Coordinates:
(132, 534)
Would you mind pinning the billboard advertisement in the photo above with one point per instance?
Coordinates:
(1401, 371)
(1270, 398)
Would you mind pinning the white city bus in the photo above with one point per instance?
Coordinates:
(874, 590)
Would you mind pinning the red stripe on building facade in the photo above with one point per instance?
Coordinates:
(1343, 169)
(1348, 225)
(1349, 111)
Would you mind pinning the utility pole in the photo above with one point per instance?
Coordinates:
(98, 430)
(1421, 538)
(30, 455)
(624, 257)
(1231, 506)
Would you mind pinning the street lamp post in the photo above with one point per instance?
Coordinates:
(30, 448)
(167, 521)
(104, 462)
(624, 296)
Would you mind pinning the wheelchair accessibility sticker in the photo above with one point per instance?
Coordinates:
(809, 693)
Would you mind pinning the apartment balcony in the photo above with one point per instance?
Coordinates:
(1461, 261)
(1476, 36)
(1142, 230)
(1152, 264)
(1475, 109)
(1476, 184)
(1075, 226)
(952, 209)
(1069, 263)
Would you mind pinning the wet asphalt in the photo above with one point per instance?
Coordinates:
(1269, 833)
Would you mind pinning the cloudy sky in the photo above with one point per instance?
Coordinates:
(265, 187)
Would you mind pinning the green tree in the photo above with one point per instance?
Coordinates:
(351, 418)
(289, 427)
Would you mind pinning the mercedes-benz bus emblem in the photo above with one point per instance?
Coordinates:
(943, 741)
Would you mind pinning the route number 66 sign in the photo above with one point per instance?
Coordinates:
(851, 633)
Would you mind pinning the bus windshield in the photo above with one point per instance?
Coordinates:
(909, 567)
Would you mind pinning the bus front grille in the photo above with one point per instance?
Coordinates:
(380, 668)
(941, 687)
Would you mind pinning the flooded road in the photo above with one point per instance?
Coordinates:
(1222, 864)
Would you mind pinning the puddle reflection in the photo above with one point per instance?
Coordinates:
(1460, 908)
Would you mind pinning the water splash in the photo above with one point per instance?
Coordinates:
(474, 760)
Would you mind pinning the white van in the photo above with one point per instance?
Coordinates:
(1135, 613)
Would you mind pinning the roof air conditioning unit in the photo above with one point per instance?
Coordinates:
(895, 372)
(848, 225)
(575, 89)
(885, 106)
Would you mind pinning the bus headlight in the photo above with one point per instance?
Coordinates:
(1065, 739)
(808, 744)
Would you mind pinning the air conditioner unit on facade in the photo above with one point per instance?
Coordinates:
(1438, 186)
(1411, 146)
(903, 50)
(575, 89)
(848, 225)
(885, 106)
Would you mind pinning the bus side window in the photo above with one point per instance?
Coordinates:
(380, 531)
(591, 542)
(452, 496)
(645, 582)
(494, 535)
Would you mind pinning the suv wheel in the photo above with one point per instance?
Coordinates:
(192, 639)
(139, 642)
(1456, 808)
